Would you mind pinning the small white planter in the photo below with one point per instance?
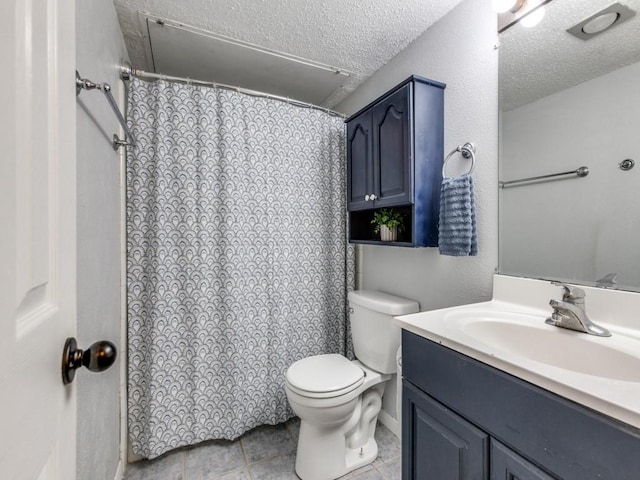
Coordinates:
(388, 234)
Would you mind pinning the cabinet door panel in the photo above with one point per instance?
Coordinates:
(438, 444)
(359, 162)
(508, 465)
(392, 150)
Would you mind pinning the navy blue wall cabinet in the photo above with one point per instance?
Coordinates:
(533, 434)
(394, 159)
(360, 161)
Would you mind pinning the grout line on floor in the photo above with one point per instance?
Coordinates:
(248, 464)
(239, 469)
(266, 459)
(244, 452)
(294, 440)
(386, 462)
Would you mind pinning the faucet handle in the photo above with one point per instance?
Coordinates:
(608, 281)
(570, 293)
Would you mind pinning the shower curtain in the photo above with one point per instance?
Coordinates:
(237, 260)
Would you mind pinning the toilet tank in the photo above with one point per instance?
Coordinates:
(376, 337)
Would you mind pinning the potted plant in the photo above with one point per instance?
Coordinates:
(388, 223)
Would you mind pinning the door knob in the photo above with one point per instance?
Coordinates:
(97, 358)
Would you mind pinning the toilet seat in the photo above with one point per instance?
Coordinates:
(324, 376)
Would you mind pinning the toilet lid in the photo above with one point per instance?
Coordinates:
(321, 375)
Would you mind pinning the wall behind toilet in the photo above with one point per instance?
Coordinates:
(458, 50)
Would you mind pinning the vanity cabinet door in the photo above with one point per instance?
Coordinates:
(392, 163)
(438, 444)
(508, 465)
(360, 175)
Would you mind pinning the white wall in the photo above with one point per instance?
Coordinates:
(574, 229)
(459, 51)
(100, 49)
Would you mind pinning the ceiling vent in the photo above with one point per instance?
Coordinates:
(601, 21)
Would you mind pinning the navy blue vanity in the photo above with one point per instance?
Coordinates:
(465, 420)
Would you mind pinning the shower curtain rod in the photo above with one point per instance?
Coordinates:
(127, 71)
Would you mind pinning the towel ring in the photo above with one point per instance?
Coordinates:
(467, 150)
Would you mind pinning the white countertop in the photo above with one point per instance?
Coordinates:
(550, 357)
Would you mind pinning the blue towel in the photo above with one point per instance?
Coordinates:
(457, 234)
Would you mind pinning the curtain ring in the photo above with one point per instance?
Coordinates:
(468, 151)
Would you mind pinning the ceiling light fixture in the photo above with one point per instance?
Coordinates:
(601, 21)
(527, 12)
(533, 18)
(502, 6)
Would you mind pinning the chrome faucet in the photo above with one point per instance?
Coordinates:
(570, 312)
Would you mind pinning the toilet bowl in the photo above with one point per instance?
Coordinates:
(337, 426)
(338, 400)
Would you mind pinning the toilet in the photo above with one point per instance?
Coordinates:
(338, 400)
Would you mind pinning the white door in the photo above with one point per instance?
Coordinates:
(37, 237)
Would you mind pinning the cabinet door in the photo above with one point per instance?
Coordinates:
(438, 444)
(393, 164)
(508, 465)
(359, 162)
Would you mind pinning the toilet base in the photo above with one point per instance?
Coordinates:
(359, 457)
(327, 452)
(336, 458)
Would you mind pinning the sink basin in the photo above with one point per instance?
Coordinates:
(509, 333)
(529, 337)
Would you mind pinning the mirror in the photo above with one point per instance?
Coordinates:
(565, 103)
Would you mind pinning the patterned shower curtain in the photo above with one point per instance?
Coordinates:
(237, 258)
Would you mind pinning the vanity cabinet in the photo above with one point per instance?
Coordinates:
(443, 445)
(454, 406)
(394, 159)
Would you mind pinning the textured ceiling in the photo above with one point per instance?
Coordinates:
(357, 36)
(538, 61)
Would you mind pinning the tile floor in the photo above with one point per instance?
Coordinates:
(264, 453)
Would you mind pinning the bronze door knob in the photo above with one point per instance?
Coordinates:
(97, 358)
